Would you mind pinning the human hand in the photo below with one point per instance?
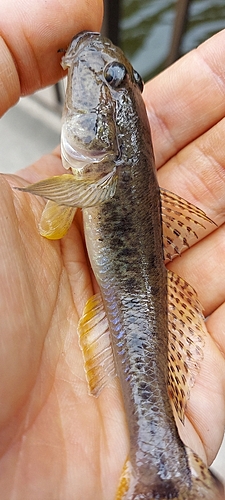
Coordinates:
(58, 442)
(185, 105)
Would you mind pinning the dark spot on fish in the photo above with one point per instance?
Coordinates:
(172, 346)
(179, 355)
(182, 392)
(165, 490)
(181, 344)
(126, 252)
(185, 367)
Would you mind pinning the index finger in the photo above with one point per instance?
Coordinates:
(187, 99)
(30, 35)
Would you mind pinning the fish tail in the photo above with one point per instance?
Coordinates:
(204, 484)
(134, 486)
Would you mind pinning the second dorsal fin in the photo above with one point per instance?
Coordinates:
(187, 330)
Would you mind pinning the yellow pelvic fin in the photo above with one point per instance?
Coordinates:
(204, 484)
(94, 338)
(56, 220)
(186, 340)
(71, 192)
(182, 224)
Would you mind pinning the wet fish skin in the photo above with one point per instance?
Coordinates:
(106, 135)
(124, 242)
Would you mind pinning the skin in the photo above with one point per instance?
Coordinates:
(57, 442)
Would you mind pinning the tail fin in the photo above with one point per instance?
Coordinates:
(205, 485)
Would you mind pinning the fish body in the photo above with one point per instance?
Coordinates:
(106, 144)
(124, 241)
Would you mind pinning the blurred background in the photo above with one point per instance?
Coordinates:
(153, 34)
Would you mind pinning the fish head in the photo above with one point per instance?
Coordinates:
(102, 131)
(100, 86)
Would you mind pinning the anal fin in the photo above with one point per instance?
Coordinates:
(182, 224)
(56, 220)
(126, 483)
(94, 339)
(186, 340)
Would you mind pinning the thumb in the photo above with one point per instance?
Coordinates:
(31, 34)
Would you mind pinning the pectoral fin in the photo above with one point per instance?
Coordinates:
(186, 340)
(55, 220)
(182, 224)
(94, 339)
(68, 191)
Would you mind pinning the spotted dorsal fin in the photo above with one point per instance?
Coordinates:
(186, 340)
(182, 224)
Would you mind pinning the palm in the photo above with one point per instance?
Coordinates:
(56, 436)
(67, 440)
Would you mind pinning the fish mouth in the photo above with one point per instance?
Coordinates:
(80, 160)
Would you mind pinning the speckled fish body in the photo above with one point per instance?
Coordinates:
(106, 144)
(124, 242)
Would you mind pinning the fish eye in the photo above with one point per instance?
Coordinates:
(115, 74)
(138, 80)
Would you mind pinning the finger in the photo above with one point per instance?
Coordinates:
(197, 173)
(216, 327)
(21, 341)
(31, 33)
(208, 394)
(187, 98)
(47, 166)
(203, 267)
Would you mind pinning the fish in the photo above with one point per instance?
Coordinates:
(145, 325)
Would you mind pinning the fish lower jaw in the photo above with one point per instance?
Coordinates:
(85, 164)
